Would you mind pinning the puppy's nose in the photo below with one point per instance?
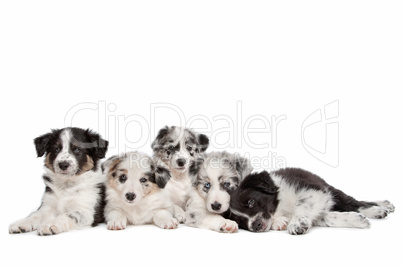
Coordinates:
(64, 165)
(130, 196)
(216, 206)
(181, 162)
(257, 225)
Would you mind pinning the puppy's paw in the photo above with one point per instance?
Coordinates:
(228, 226)
(358, 220)
(181, 217)
(169, 223)
(52, 228)
(298, 226)
(280, 224)
(376, 212)
(116, 225)
(387, 205)
(22, 226)
(179, 214)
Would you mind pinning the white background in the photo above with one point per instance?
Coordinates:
(287, 58)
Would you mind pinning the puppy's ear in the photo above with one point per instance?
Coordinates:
(160, 175)
(266, 184)
(42, 143)
(194, 169)
(100, 145)
(243, 166)
(110, 163)
(203, 142)
(162, 133)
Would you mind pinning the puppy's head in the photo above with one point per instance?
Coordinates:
(134, 175)
(254, 202)
(179, 147)
(218, 176)
(71, 151)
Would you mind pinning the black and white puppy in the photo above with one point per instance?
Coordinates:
(181, 150)
(74, 190)
(132, 193)
(295, 199)
(218, 176)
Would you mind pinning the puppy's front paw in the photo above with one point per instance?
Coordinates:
(228, 226)
(280, 224)
(298, 226)
(170, 223)
(52, 228)
(116, 225)
(179, 214)
(22, 226)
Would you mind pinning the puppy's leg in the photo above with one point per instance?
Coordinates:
(179, 214)
(31, 222)
(198, 216)
(218, 223)
(280, 223)
(343, 219)
(165, 220)
(309, 207)
(376, 210)
(66, 222)
(115, 220)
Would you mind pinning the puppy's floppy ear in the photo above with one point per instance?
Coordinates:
(100, 145)
(194, 169)
(162, 133)
(160, 174)
(110, 163)
(243, 166)
(266, 184)
(203, 142)
(42, 143)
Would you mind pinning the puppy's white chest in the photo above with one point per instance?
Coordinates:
(178, 191)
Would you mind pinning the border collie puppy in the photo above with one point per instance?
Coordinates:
(132, 192)
(74, 190)
(180, 149)
(217, 177)
(295, 199)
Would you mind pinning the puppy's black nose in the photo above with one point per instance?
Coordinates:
(64, 165)
(216, 206)
(181, 162)
(130, 196)
(257, 225)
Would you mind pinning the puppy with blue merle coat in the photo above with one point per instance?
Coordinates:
(74, 192)
(217, 177)
(295, 199)
(181, 151)
(134, 193)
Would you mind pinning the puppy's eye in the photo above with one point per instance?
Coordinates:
(226, 185)
(57, 149)
(189, 148)
(170, 148)
(77, 151)
(207, 185)
(143, 180)
(250, 203)
(122, 178)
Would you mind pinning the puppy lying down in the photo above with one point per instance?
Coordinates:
(295, 199)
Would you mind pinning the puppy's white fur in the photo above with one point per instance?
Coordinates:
(218, 176)
(70, 200)
(150, 205)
